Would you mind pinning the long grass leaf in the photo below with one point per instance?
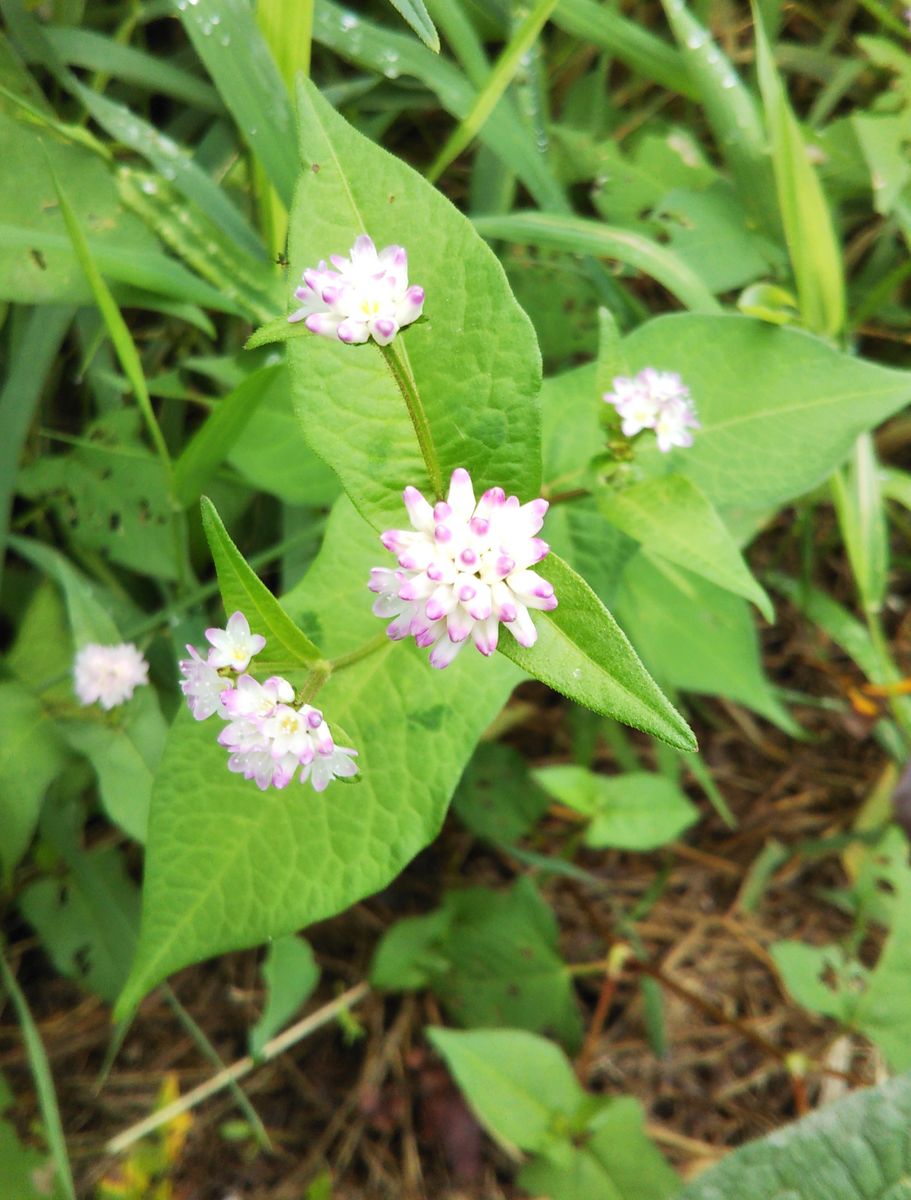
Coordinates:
(583, 236)
(32, 354)
(227, 39)
(809, 231)
(627, 41)
(93, 51)
(732, 113)
(44, 1081)
(211, 444)
(117, 328)
(859, 503)
(417, 16)
(498, 81)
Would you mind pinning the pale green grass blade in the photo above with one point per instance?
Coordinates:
(732, 113)
(626, 40)
(498, 81)
(377, 49)
(32, 355)
(462, 38)
(211, 444)
(117, 327)
(287, 26)
(174, 164)
(85, 48)
(418, 18)
(583, 236)
(857, 493)
(227, 39)
(153, 272)
(44, 1082)
(809, 230)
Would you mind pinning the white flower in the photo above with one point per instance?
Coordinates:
(268, 735)
(234, 646)
(463, 569)
(367, 295)
(108, 675)
(656, 400)
(338, 764)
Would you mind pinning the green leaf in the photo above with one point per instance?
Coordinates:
(228, 41)
(411, 953)
(229, 866)
(491, 959)
(812, 241)
(214, 440)
(821, 978)
(89, 932)
(485, 417)
(31, 756)
(125, 755)
(670, 516)
(861, 510)
(527, 25)
(883, 1013)
(732, 113)
(417, 16)
(89, 617)
(21, 1167)
(273, 456)
(496, 797)
(696, 637)
(37, 264)
(616, 1161)
(627, 40)
(44, 1081)
(581, 235)
(243, 591)
(857, 1148)
(582, 652)
(34, 342)
(290, 974)
(777, 429)
(520, 1087)
(638, 811)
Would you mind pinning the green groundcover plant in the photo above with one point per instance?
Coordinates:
(464, 523)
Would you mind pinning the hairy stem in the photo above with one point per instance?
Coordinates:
(396, 357)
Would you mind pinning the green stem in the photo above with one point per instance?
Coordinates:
(318, 676)
(368, 648)
(889, 672)
(396, 357)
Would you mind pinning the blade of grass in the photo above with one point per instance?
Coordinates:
(732, 113)
(211, 444)
(128, 357)
(583, 236)
(34, 340)
(227, 39)
(627, 41)
(44, 1082)
(858, 497)
(809, 231)
(497, 82)
(417, 16)
(93, 51)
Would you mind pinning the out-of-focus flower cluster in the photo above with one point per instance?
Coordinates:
(366, 296)
(658, 400)
(464, 567)
(270, 737)
(108, 675)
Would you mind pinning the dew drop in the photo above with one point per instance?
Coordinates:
(348, 21)
(695, 40)
(149, 186)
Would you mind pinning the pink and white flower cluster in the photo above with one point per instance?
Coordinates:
(658, 400)
(269, 736)
(463, 567)
(108, 675)
(367, 295)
